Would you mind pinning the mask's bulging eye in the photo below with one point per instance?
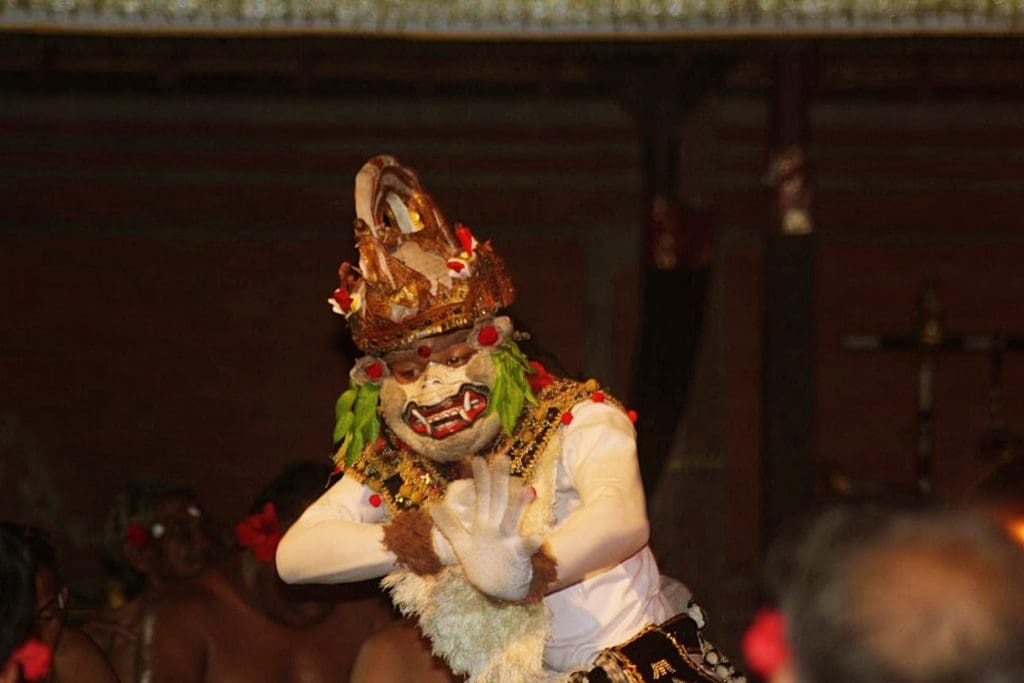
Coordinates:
(405, 372)
(457, 355)
(457, 360)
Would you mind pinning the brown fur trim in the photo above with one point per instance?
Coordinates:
(465, 469)
(408, 537)
(544, 574)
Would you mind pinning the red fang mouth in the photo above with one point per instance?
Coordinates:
(450, 416)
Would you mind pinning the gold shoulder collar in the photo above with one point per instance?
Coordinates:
(404, 479)
(539, 423)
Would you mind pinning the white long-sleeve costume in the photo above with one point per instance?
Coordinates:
(511, 583)
(607, 588)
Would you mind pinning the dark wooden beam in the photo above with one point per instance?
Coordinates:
(673, 295)
(909, 69)
(788, 327)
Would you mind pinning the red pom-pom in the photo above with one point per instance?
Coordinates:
(343, 298)
(374, 370)
(597, 397)
(488, 335)
(764, 644)
(136, 536)
(457, 266)
(632, 415)
(566, 418)
(375, 500)
(34, 656)
(423, 351)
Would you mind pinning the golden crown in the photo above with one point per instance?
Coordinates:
(416, 277)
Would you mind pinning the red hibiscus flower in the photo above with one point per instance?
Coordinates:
(260, 533)
(540, 377)
(34, 657)
(135, 535)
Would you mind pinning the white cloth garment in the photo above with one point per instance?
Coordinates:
(608, 584)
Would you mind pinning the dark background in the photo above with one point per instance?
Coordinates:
(173, 212)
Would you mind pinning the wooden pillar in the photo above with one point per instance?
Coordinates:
(674, 289)
(657, 95)
(788, 351)
(659, 119)
(660, 372)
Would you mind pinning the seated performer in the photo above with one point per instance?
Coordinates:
(156, 535)
(237, 621)
(75, 656)
(23, 656)
(398, 653)
(538, 567)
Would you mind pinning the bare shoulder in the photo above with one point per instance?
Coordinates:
(111, 627)
(399, 653)
(79, 658)
(356, 608)
(181, 635)
(397, 636)
(190, 600)
(372, 611)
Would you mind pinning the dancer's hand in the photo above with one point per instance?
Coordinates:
(492, 553)
(460, 499)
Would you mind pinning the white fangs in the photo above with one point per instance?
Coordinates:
(446, 415)
(419, 416)
(457, 416)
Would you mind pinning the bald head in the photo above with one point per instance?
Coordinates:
(924, 597)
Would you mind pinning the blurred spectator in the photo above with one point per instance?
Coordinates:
(155, 534)
(238, 621)
(911, 597)
(75, 656)
(398, 653)
(1000, 495)
(22, 656)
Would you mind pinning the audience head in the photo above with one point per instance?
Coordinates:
(51, 593)
(273, 511)
(293, 490)
(20, 655)
(278, 505)
(923, 596)
(156, 533)
(1001, 496)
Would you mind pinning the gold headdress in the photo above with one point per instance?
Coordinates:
(416, 276)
